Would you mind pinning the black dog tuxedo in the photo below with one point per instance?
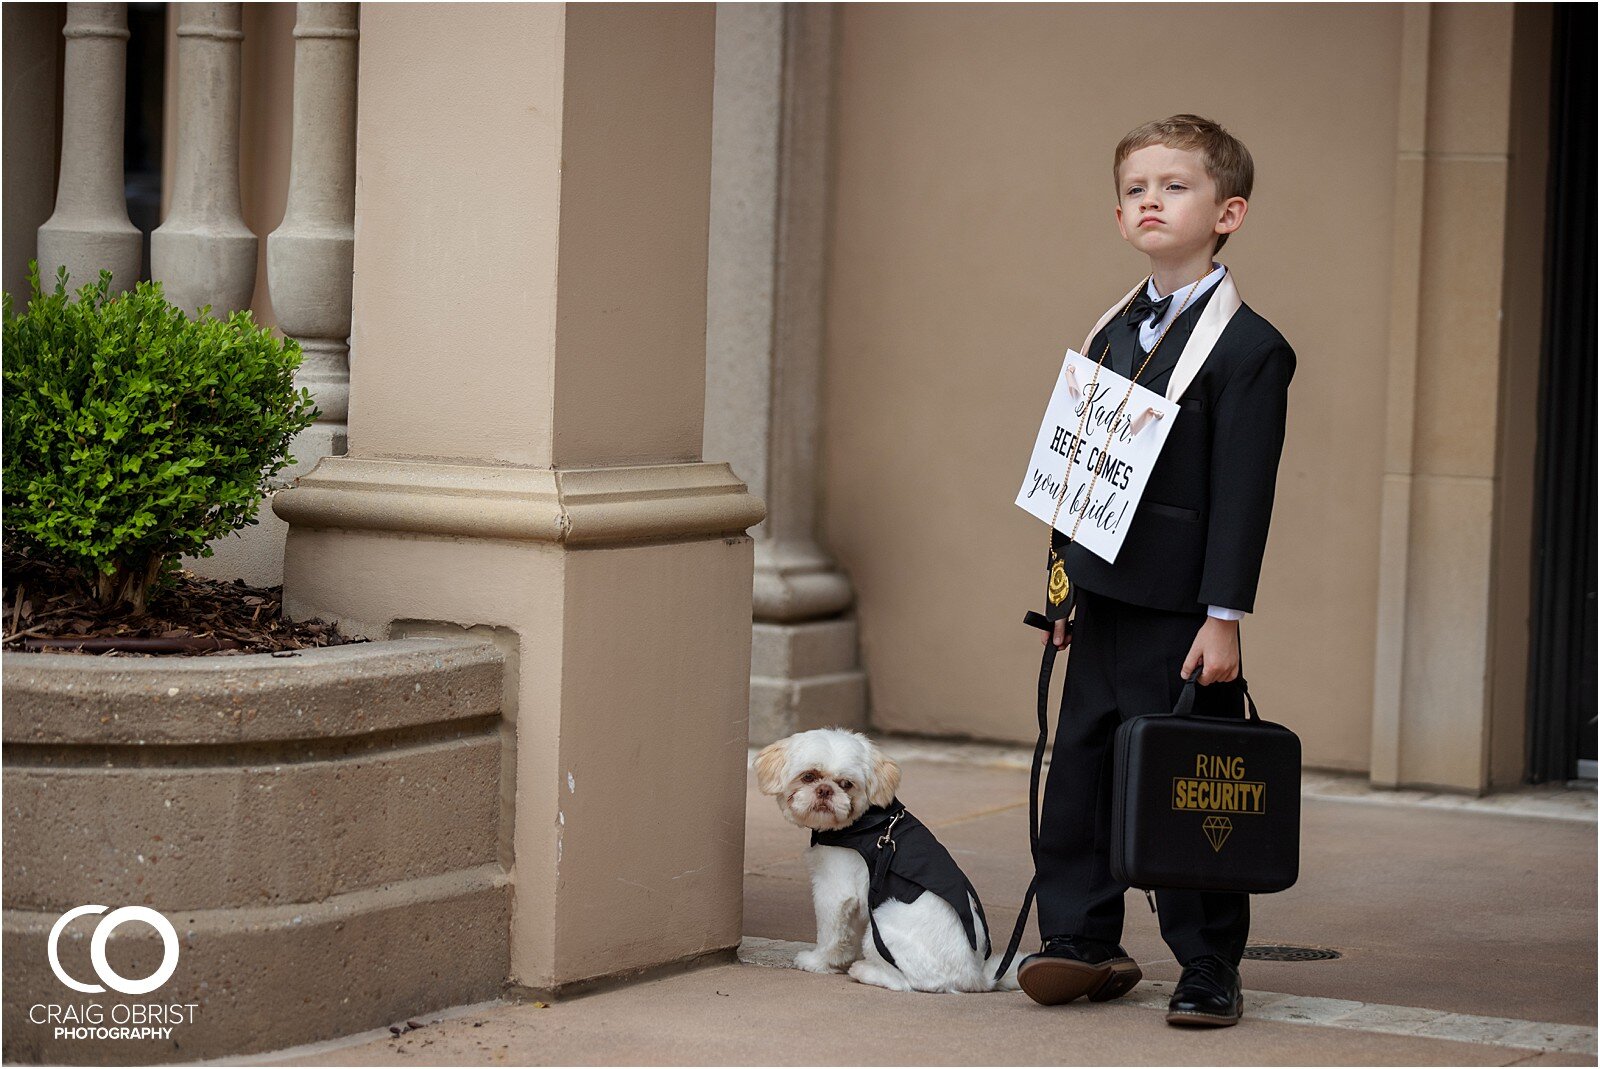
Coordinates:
(905, 861)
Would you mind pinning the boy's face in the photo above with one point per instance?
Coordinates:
(1167, 205)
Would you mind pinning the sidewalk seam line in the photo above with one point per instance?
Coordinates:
(1347, 1014)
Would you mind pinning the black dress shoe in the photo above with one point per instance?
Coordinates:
(1207, 995)
(1070, 966)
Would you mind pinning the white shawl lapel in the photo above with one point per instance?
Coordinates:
(1213, 320)
(1219, 310)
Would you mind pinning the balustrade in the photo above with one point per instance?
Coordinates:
(89, 229)
(203, 253)
(310, 256)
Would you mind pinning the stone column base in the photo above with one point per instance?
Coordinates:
(805, 676)
(627, 591)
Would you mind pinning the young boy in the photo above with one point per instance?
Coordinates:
(1183, 578)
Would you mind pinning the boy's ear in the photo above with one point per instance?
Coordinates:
(1232, 215)
(769, 767)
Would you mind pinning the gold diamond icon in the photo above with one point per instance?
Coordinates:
(1217, 829)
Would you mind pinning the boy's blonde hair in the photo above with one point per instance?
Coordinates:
(1227, 161)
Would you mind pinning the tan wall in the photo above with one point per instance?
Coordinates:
(974, 241)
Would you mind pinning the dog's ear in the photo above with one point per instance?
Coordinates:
(885, 778)
(769, 767)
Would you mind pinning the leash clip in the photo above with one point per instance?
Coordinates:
(887, 838)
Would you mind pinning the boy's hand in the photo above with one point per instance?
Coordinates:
(1060, 636)
(1216, 649)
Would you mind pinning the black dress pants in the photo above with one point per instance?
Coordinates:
(1124, 661)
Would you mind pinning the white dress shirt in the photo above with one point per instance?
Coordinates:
(1151, 329)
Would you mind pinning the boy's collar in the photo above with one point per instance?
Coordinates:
(1215, 276)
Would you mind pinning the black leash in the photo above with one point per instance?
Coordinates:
(1046, 669)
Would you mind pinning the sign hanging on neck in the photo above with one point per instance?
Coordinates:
(1103, 471)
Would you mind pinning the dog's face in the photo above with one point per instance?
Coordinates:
(825, 779)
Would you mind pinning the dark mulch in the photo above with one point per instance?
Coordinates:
(45, 608)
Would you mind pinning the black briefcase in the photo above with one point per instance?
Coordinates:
(1206, 803)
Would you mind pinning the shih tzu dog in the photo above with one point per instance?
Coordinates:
(893, 907)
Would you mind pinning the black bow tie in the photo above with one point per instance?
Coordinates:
(1143, 309)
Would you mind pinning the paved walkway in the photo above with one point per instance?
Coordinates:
(1466, 929)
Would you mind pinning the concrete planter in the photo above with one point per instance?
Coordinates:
(323, 832)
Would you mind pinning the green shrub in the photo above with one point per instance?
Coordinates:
(135, 435)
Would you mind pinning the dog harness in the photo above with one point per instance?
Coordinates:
(905, 861)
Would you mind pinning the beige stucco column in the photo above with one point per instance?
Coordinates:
(203, 253)
(764, 345)
(527, 378)
(89, 230)
(1449, 699)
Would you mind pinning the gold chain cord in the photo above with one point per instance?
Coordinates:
(1094, 473)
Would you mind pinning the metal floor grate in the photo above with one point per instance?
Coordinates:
(1280, 952)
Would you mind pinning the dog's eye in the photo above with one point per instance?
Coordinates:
(809, 777)
(846, 784)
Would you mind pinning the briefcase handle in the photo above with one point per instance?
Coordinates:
(1185, 705)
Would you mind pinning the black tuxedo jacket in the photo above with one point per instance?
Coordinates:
(1201, 527)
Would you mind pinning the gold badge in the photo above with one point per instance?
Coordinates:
(1059, 584)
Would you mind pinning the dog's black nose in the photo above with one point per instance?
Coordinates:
(824, 791)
